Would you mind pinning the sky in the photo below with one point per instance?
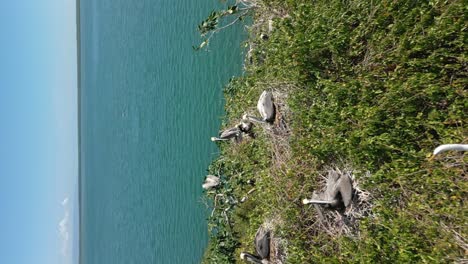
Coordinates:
(38, 132)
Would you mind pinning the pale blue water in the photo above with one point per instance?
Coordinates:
(149, 105)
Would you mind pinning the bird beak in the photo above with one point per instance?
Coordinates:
(431, 158)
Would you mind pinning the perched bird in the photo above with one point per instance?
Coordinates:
(262, 247)
(339, 191)
(245, 126)
(447, 147)
(231, 133)
(265, 107)
(211, 181)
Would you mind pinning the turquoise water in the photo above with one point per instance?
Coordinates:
(149, 105)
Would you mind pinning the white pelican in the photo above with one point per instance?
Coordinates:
(262, 247)
(210, 182)
(339, 191)
(265, 107)
(447, 147)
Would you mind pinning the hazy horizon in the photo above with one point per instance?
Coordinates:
(39, 121)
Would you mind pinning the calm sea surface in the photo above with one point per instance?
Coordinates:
(149, 105)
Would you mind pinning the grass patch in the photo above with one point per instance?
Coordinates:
(372, 84)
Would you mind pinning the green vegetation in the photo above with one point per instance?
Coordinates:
(373, 86)
(219, 20)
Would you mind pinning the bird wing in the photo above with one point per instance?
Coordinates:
(345, 187)
(265, 106)
(332, 187)
(262, 242)
(212, 177)
(229, 133)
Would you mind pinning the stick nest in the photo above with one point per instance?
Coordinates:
(343, 221)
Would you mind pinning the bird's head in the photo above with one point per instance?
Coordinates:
(213, 139)
(436, 151)
(242, 255)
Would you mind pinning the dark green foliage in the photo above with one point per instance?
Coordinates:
(218, 20)
(210, 23)
(377, 84)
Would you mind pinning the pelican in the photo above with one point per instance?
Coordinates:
(231, 133)
(245, 126)
(339, 191)
(210, 182)
(447, 147)
(262, 246)
(266, 107)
